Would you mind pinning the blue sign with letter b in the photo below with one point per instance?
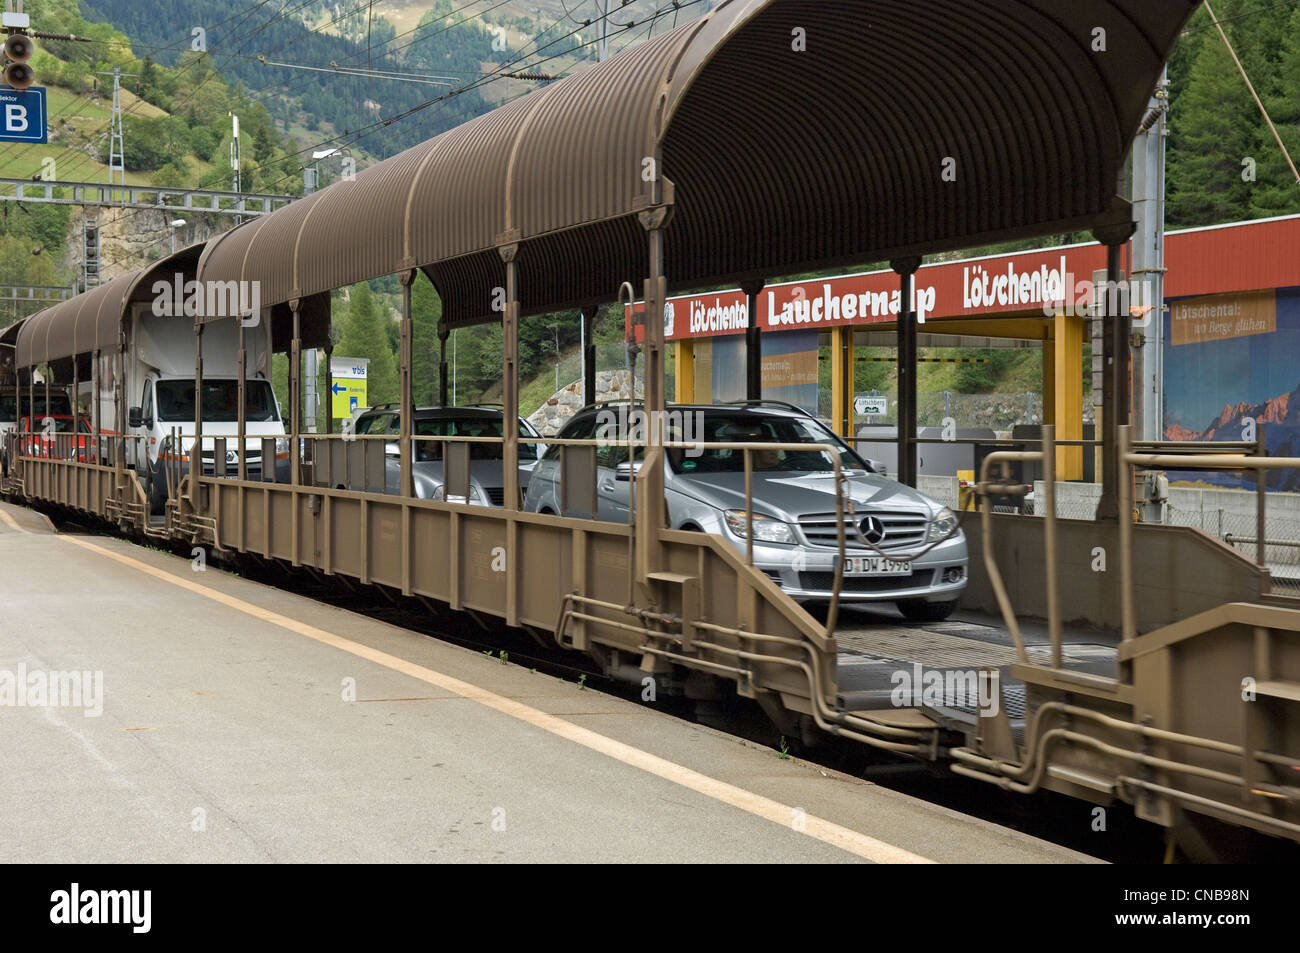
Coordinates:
(22, 115)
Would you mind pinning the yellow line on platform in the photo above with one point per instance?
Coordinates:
(13, 523)
(861, 845)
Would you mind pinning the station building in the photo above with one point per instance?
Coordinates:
(1230, 351)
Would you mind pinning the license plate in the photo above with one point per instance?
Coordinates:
(876, 566)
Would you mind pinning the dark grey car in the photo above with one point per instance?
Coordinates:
(487, 484)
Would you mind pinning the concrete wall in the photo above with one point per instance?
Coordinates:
(555, 412)
(1178, 571)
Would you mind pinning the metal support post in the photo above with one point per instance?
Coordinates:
(907, 353)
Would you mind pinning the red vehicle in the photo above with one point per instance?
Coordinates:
(40, 439)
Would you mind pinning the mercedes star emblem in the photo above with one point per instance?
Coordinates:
(872, 530)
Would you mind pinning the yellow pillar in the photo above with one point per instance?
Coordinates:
(684, 361)
(1063, 390)
(842, 383)
(1049, 375)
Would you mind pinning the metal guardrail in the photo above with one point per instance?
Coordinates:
(1233, 456)
(987, 489)
(1248, 540)
(455, 480)
(37, 294)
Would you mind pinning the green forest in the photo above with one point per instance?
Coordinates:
(1224, 164)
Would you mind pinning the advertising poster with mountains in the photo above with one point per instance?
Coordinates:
(1232, 364)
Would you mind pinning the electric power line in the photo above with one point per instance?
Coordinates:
(497, 74)
(500, 72)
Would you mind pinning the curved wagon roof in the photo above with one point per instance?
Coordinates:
(789, 134)
(93, 319)
(897, 129)
(86, 322)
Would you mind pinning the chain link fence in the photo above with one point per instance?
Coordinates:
(1239, 529)
(1227, 515)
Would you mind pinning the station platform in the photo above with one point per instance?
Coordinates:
(229, 732)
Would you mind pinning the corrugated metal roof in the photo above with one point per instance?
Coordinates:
(780, 159)
(900, 129)
(525, 166)
(83, 323)
(94, 318)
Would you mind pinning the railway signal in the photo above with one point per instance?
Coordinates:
(18, 50)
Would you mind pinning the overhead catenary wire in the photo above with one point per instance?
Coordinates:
(328, 23)
(428, 79)
(241, 15)
(377, 126)
(76, 164)
(501, 72)
(354, 136)
(121, 217)
(1244, 15)
(206, 55)
(290, 89)
(378, 123)
(238, 14)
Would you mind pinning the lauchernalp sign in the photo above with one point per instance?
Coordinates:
(1237, 258)
(852, 299)
(1029, 282)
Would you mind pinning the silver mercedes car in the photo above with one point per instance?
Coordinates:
(917, 554)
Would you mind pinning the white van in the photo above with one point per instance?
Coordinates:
(160, 393)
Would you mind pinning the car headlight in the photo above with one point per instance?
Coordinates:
(766, 528)
(440, 495)
(943, 523)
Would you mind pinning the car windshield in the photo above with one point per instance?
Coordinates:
(220, 401)
(754, 428)
(467, 427)
(9, 404)
(61, 425)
